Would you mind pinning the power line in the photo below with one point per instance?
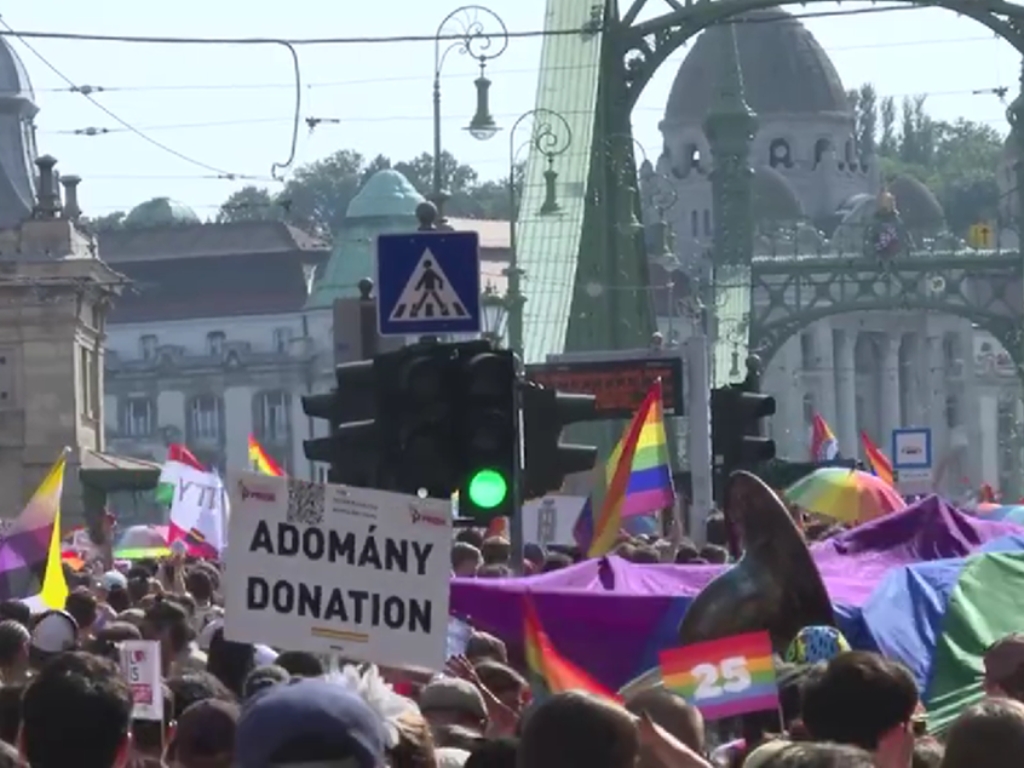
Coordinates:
(493, 72)
(393, 39)
(9, 31)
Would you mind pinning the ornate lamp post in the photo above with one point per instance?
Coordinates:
(469, 27)
(495, 314)
(551, 136)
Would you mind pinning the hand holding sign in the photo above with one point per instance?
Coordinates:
(725, 677)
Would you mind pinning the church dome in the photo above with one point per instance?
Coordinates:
(785, 70)
(386, 193)
(17, 139)
(14, 80)
(160, 212)
(918, 207)
(773, 197)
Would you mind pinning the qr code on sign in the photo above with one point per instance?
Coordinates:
(305, 502)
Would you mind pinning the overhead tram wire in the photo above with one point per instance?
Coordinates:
(20, 36)
(391, 39)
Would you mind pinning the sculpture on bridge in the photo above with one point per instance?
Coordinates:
(886, 236)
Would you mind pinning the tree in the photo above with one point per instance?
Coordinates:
(318, 194)
(866, 111)
(887, 143)
(107, 223)
(250, 203)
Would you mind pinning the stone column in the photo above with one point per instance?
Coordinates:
(988, 450)
(890, 387)
(846, 394)
(825, 381)
(934, 395)
(789, 434)
(970, 423)
(237, 425)
(299, 431)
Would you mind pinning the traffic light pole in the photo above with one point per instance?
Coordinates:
(516, 532)
(701, 460)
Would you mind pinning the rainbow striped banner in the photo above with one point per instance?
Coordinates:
(723, 678)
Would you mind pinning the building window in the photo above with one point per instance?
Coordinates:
(282, 338)
(137, 417)
(215, 343)
(147, 346)
(206, 414)
(809, 409)
(950, 352)
(87, 386)
(779, 154)
(952, 411)
(695, 223)
(271, 417)
(806, 350)
(707, 221)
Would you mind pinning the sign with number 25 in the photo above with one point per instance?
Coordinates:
(726, 677)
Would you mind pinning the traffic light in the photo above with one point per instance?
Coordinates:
(546, 413)
(737, 439)
(351, 447)
(487, 431)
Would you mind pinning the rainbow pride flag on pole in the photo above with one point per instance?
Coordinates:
(262, 461)
(723, 678)
(880, 465)
(824, 446)
(636, 480)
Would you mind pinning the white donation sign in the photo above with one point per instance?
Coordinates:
(334, 569)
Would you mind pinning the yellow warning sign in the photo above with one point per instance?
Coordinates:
(981, 235)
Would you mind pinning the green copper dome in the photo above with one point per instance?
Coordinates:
(386, 193)
(160, 212)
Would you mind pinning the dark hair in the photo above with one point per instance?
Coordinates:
(555, 561)
(498, 677)
(578, 730)
(199, 584)
(106, 640)
(989, 733)
(191, 687)
(300, 664)
(927, 753)
(496, 550)
(646, 556)
(82, 606)
(714, 554)
(10, 712)
(84, 699)
(170, 615)
(858, 699)
(16, 610)
(482, 645)
(117, 598)
(470, 536)
(14, 638)
(810, 755)
(229, 661)
(686, 552)
(494, 753)
(262, 678)
(138, 588)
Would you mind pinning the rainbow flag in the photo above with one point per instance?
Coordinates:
(636, 480)
(549, 671)
(261, 461)
(824, 446)
(30, 550)
(880, 465)
(723, 678)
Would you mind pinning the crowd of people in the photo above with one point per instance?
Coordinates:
(64, 699)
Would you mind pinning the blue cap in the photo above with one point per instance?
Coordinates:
(308, 709)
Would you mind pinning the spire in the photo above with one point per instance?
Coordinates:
(730, 116)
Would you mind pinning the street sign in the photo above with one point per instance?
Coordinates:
(428, 283)
(912, 448)
(981, 235)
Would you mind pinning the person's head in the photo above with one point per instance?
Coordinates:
(190, 687)
(1004, 667)
(229, 661)
(199, 585)
(138, 587)
(83, 609)
(300, 664)
(118, 600)
(466, 559)
(453, 701)
(263, 677)
(16, 610)
(85, 700)
(686, 552)
(205, 736)
(309, 721)
(811, 755)
(494, 753)
(14, 642)
(578, 730)
(482, 646)
(863, 700)
(928, 753)
(507, 685)
(472, 536)
(106, 640)
(555, 561)
(646, 556)
(110, 581)
(415, 746)
(10, 712)
(167, 622)
(989, 734)
(496, 550)
(681, 720)
(54, 632)
(714, 554)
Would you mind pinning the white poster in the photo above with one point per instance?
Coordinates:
(550, 520)
(140, 664)
(332, 569)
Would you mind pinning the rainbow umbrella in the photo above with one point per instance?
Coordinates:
(1010, 513)
(141, 542)
(846, 495)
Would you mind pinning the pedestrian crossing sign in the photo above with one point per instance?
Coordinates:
(428, 283)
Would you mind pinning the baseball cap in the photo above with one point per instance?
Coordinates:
(453, 694)
(112, 579)
(1004, 657)
(205, 729)
(309, 709)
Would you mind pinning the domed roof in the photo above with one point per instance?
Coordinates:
(160, 212)
(386, 193)
(14, 80)
(773, 197)
(918, 207)
(785, 70)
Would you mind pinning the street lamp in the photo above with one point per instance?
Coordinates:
(551, 136)
(466, 29)
(495, 314)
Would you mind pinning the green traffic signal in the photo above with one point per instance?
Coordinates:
(488, 489)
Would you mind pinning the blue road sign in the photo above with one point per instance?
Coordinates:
(912, 448)
(428, 283)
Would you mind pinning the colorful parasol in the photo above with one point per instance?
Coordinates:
(140, 542)
(1010, 513)
(846, 495)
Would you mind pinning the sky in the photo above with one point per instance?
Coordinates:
(229, 108)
